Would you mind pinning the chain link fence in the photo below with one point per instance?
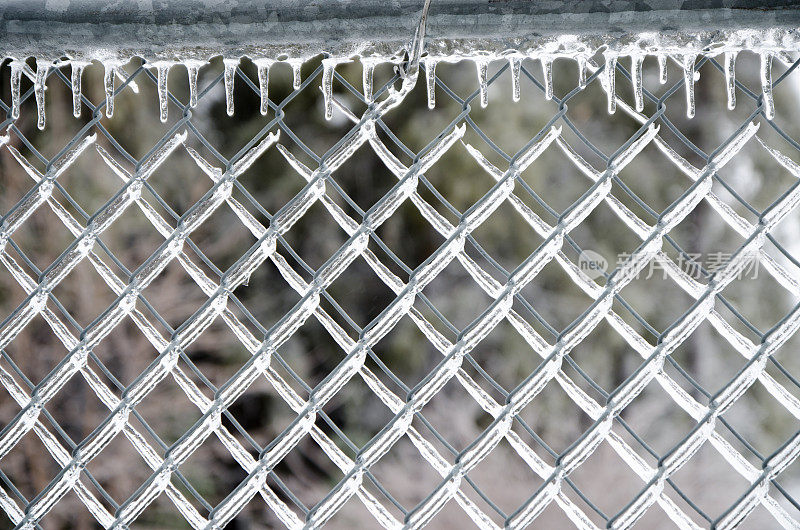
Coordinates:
(492, 312)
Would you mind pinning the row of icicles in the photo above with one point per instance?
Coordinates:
(114, 69)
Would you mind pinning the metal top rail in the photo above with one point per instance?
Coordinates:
(177, 30)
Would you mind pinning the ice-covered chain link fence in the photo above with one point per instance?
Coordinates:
(358, 480)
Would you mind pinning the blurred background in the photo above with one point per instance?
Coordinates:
(602, 486)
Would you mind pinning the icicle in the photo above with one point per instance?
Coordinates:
(483, 72)
(367, 74)
(636, 72)
(328, 67)
(77, 74)
(430, 81)
(662, 69)
(297, 74)
(16, 75)
(193, 69)
(38, 90)
(581, 71)
(730, 78)
(163, 72)
(230, 73)
(688, 79)
(263, 66)
(610, 76)
(108, 81)
(516, 66)
(766, 85)
(547, 72)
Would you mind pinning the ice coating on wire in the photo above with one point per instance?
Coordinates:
(263, 350)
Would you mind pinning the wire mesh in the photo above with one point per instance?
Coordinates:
(514, 416)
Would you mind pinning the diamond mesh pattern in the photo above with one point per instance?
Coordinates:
(510, 305)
